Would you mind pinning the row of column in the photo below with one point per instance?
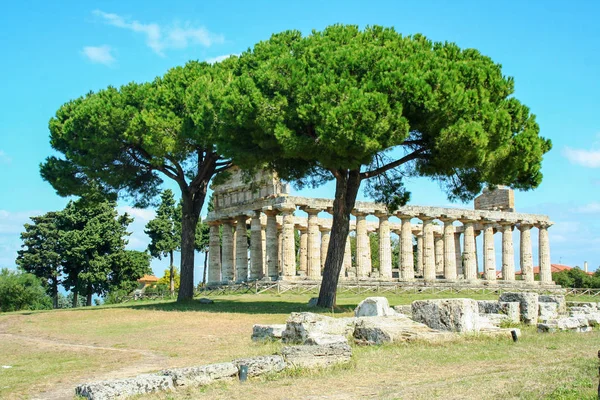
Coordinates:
(273, 253)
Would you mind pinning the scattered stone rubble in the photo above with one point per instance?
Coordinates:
(322, 341)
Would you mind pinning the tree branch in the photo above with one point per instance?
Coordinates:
(377, 171)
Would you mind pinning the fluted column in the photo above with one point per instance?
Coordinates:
(438, 243)
(469, 262)
(272, 245)
(241, 249)
(288, 245)
(363, 255)
(256, 252)
(489, 252)
(214, 255)
(544, 254)
(227, 274)
(280, 249)
(263, 239)
(407, 261)
(526, 257)
(508, 252)
(303, 252)
(428, 250)
(477, 269)
(420, 253)
(385, 247)
(449, 250)
(347, 267)
(458, 255)
(325, 235)
(313, 245)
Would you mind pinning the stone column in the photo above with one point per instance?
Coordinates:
(458, 254)
(544, 254)
(508, 252)
(438, 243)
(477, 270)
(526, 256)
(272, 245)
(385, 247)
(241, 249)
(407, 261)
(303, 256)
(363, 255)
(214, 255)
(428, 249)
(256, 251)
(347, 266)
(469, 254)
(263, 240)
(313, 245)
(449, 250)
(227, 274)
(420, 253)
(288, 245)
(489, 252)
(325, 234)
(280, 249)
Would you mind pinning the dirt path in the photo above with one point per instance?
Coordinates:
(150, 361)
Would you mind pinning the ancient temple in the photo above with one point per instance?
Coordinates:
(446, 238)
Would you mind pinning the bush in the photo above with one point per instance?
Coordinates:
(22, 291)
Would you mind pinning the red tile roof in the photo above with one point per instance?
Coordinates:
(148, 278)
(554, 268)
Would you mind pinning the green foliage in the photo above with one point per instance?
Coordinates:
(67, 301)
(22, 291)
(576, 278)
(165, 238)
(166, 278)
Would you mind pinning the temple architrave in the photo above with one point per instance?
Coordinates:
(446, 238)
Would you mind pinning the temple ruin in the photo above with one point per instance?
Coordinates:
(446, 250)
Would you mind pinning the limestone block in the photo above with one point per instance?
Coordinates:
(528, 302)
(573, 311)
(300, 326)
(575, 324)
(405, 309)
(121, 388)
(267, 332)
(322, 339)
(374, 307)
(201, 375)
(548, 311)
(262, 364)
(307, 356)
(456, 315)
(493, 319)
(511, 309)
(488, 306)
(586, 304)
(379, 330)
(205, 300)
(555, 298)
(593, 319)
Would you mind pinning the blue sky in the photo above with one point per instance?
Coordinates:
(56, 51)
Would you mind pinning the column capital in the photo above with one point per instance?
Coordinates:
(447, 219)
(324, 228)
(466, 221)
(311, 210)
(269, 210)
(359, 213)
(523, 225)
(403, 215)
(286, 208)
(381, 214)
(214, 222)
(543, 224)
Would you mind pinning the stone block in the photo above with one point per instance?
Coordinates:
(455, 315)
(300, 326)
(307, 356)
(587, 304)
(548, 311)
(267, 332)
(121, 388)
(555, 298)
(405, 309)
(374, 307)
(488, 306)
(528, 302)
(493, 319)
(201, 375)
(379, 330)
(575, 324)
(511, 309)
(262, 364)
(322, 339)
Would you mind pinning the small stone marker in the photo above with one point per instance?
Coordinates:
(205, 300)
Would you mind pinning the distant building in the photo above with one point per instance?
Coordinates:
(554, 268)
(148, 280)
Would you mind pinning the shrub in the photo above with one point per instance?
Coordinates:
(22, 291)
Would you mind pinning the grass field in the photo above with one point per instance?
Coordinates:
(50, 352)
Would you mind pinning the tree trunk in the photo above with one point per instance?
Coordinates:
(205, 265)
(76, 293)
(192, 204)
(171, 274)
(88, 300)
(55, 292)
(346, 190)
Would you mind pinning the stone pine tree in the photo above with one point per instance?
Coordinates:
(165, 238)
(40, 252)
(128, 140)
(374, 106)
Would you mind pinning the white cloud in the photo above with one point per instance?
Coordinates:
(218, 59)
(142, 214)
(586, 158)
(12, 222)
(99, 55)
(161, 38)
(590, 208)
(4, 158)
